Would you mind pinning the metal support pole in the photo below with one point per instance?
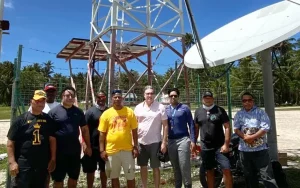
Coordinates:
(198, 90)
(149, 57)
(111, 66)
(111, 63)
(72, 82)
(1, 18)
(14, 101)
(269, 101)
(229, 97)
(176, 73)
(186, 76)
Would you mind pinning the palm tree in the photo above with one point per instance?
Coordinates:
(6, 82)
(189, 40)
(48, 69)
(283, 72)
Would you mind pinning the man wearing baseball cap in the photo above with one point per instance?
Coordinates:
(51, 92)
(31, 145)
(211, 119)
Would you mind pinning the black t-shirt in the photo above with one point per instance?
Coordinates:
(68, 122)
(30, 134)
(92, 116)
(211, 125)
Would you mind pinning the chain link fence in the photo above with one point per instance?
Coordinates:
(136, 95)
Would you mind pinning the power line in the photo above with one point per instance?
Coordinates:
(41, 51)
(74, 68)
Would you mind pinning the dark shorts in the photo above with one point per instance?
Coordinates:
(89, 164)
(66, 164)
(30, 178)
(213, 157)
(147, 152)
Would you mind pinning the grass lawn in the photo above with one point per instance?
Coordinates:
(5, 112)
(3, 163)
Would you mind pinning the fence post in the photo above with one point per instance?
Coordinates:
(175, 76)
(14, 100)
(198, 92)
(229, 97)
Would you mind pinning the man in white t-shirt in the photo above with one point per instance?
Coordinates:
(151, 116)
(50, 100)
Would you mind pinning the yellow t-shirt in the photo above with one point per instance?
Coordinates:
(117, 124)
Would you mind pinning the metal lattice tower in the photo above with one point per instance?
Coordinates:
(123, 30)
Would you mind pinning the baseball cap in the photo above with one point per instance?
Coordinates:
(207, 94)
(39, 94)
(116, 91)
(49, 87)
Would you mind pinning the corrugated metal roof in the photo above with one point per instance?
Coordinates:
(127, 54)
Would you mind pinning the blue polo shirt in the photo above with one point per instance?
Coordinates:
(180, 120)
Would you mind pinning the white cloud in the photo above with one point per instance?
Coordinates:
(8, 4)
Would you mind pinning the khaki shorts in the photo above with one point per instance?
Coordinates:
(120, 159)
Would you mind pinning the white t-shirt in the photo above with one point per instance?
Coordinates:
(48, 107)
(150, 122)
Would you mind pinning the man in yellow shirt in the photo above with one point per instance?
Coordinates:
(118, 130)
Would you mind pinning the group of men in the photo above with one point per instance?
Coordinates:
(44, 141)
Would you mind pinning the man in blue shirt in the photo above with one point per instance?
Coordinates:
(182, 139)
(252, 124)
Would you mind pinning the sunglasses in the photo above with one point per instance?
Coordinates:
(247, 100)
(101, 97)
(171, 96)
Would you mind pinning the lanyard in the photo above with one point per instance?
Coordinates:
(174, 110)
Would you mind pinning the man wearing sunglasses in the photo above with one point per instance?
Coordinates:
(119, 141)
(182, 139)
(252, 124)
(89, 164)
(211, 119)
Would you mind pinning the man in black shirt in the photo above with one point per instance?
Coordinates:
(211, 118)
(89, 164)
(69, 119)
(31, 145)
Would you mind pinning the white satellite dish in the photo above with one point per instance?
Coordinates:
(248, 35)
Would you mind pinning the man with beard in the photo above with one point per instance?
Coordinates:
(89, 164)
(31, 145)
(211, 119)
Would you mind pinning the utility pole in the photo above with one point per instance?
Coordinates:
(1, 18)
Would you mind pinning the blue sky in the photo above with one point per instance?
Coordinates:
(49, 25)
